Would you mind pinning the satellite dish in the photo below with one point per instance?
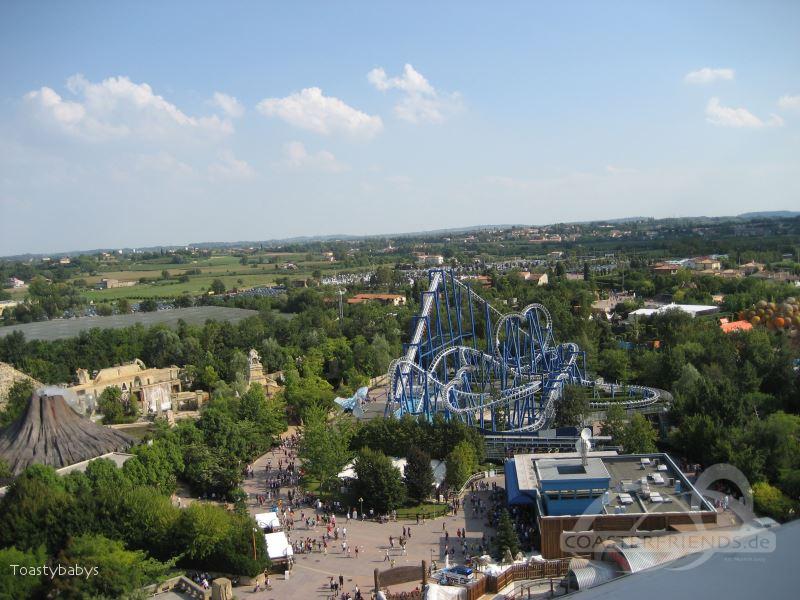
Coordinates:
(586, 433)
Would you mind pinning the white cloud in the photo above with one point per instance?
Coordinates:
(228, 104)
(297, 157)
(116, 108)
(509, 183)
(789, 102)
(617, 170)
(163, 162)
(400, 181)
(310, 109)
(709, 75)
(421, 101)
(725, 116)
(230, 167)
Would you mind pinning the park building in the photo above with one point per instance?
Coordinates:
(154, 391)
(577, 499)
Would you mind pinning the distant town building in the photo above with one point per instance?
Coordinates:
(665, 269)
(16, 283)
(107, 284)
(539, 278)
(430, 259)
(704, 263)
(483, 281)
(386, 299)
(751, 267)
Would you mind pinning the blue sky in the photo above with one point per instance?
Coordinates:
(138, 124)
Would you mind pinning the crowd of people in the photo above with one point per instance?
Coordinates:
(523, 520)
(321, 527)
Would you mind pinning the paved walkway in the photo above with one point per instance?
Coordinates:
(310, 575)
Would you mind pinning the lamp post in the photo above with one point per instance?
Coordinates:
(361, 502)
(254, 543)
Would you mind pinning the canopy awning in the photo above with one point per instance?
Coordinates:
(278, 546)
(268, 520)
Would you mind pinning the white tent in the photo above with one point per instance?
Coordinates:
(268, 520)
(438, 466)
(278, 546)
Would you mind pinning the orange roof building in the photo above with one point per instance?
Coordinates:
(393, 299)
(736, 326)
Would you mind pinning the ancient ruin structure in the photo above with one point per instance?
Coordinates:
(153, 391)
(255, 374)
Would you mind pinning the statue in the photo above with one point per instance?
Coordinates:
(255, 359)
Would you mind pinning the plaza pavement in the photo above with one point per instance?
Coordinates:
(309, 579)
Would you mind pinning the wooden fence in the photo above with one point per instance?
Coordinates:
(492, 584)
(488, 584)
(540, 570)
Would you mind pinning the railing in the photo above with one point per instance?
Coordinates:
(472, 479)
(182, 584)
(542, 570)
(492, 584)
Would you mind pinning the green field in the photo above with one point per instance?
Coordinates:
(259, 271)
(225, 268)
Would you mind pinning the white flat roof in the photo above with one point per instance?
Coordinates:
(278, 546)
(691, 309)
(269, 519)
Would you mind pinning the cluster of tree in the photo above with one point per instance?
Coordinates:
(115, 408)
(46, 300)
(636, 435)
(210, 454)
(19, 394)
(439, 437)
(737, 398)
(110, 519)
(328, 444)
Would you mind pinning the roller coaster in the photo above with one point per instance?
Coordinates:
(497, 372)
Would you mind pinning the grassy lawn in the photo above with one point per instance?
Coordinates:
(429, 509)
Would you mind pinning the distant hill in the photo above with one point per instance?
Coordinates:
(775, 214)
(770, 214)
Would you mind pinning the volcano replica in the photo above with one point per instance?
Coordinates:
(50, 432)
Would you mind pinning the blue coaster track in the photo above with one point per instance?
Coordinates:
(494, 371)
